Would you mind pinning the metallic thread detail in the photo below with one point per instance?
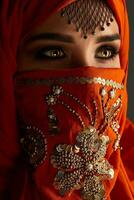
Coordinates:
(115, 126)
(112, 93)
(110, 113)
(74, 113)
(53, 122)
(82, 105)
(53, 98)
(72, 80)
(95, 113)
(57, 90)
(103, 92)
(34, 145)
(83, 166)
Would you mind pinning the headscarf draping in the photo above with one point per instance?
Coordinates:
(18, 18)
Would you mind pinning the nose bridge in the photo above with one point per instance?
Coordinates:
(82, 57)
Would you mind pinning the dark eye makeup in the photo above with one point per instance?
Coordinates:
(104, 52)
(49, 53)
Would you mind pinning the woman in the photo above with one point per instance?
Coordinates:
(65, 89)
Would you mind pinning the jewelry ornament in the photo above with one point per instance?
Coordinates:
(87, 15)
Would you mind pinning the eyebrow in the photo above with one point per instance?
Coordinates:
(68, 38)
(108, 38)
(52, 36)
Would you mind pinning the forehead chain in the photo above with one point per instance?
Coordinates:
(87, 15)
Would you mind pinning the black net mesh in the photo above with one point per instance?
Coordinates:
(87, 15)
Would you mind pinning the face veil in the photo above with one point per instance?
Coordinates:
(70, 121)
(96, 85)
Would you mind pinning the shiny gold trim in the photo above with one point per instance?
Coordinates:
(70, 80)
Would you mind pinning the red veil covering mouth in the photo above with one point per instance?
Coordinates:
(17, 19)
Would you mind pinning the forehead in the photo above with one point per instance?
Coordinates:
(57, 24)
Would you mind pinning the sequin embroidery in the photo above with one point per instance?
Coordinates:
(83, 166)
(70, 80)
(34, 145)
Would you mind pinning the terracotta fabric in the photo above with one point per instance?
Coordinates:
(16, 182)
(33, 109)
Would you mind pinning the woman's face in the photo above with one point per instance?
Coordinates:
(56, 45)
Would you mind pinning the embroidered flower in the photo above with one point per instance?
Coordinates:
(83, 166)
(34, 145)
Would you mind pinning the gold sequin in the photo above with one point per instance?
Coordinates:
(74, 80)
(83, 166)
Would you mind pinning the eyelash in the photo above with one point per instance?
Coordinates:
(40, 54)
(113, 49)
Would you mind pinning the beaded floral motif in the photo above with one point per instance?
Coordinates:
(83, 166)
(34, 145)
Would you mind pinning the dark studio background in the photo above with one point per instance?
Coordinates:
(130, 5)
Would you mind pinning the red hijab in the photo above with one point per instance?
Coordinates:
(17, 18)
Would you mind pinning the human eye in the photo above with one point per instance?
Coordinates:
(106, 52)
(49, 53)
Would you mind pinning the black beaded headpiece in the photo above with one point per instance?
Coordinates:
(88, 15)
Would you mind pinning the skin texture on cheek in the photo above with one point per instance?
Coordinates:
(45, 46)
